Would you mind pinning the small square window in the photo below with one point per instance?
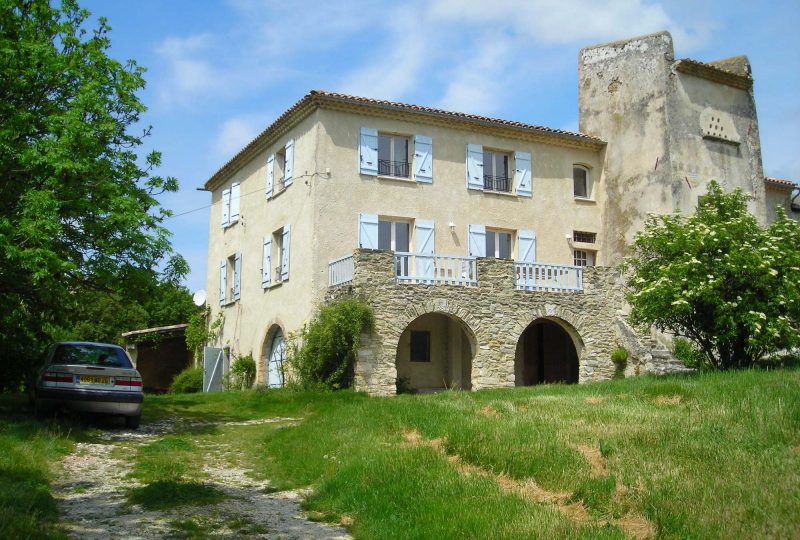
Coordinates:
(420, 346)
(583, 257)
(580, 181)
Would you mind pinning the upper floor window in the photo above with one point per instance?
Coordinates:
(495, 171)
(581, 182)
(230, 204)
(584, 237)
(275, 262)
(393, 155)
(583, 257)
(280, 169)
(230, 290)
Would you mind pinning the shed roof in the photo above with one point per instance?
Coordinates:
(157, 330)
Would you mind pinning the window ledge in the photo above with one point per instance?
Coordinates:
(500, 193)
(231, 224)
(396, 178)
(273, 285)
(585, 200)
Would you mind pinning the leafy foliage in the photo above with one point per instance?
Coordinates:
(242, 374)
(188, 381)
(329, 344)
(687, 352)
(80, 224)
(720, 280)
(199, 332)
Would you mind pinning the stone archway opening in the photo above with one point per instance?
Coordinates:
(547, 353)
(274, 356)
(435, 353)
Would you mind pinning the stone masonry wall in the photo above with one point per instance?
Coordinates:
(493, 313)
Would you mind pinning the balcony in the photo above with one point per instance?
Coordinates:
(454, 270)
(393, 168)
(496, 183)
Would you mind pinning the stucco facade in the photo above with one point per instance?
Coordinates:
(342, 189)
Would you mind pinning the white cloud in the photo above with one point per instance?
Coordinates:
(235, 133)
(189, 73)
(562, 22)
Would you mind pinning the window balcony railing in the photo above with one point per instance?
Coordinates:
(435, 269)
(340, 271)
(496, 183)
(547, 277)
(393, 168)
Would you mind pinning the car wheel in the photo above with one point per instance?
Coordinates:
(132, 422)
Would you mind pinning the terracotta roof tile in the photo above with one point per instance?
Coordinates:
(779, 182)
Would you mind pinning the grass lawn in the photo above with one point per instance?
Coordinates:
(704, 456)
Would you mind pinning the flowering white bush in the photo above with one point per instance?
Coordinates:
(719, 279)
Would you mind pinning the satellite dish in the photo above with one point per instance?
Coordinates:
(199, 298)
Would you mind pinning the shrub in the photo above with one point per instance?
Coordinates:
(242, 374)
(620, 357)
(688, 353)
(328, 345)
(188, 381)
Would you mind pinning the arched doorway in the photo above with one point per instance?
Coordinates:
(275, 354)
(546, 353)
(435, 353)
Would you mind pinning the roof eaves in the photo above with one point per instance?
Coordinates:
(714, 73)
(156, 330)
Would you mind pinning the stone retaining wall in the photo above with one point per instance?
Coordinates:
(493, 313)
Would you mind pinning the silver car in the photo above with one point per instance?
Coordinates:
(90, 377)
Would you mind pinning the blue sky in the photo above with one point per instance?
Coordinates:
(219, 72)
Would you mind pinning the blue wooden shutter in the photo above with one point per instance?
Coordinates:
(270, 175)
(266, 262)
(477, 240)
(368, 152)
(223, 281)
(226, 207)
(237, 276)
(285, 253)
(475, 166)
(526, 243)
(288, 166)
(423, 159)
(425, 248)
(522, 174)
(368, 231)
(236, 194)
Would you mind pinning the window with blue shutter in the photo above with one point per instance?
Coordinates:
(286, 238)
(425, 248)
(475, 166)
(522, 174)
(236, 194)
(270, 175)
(266, 261)
(237, 276)
(526, 245)
(423, 159)
(477, 240)
(226, 207)
(288, 167)
(368, 231)
(368, 152)
(223, 282)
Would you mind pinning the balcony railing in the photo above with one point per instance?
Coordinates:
(393, 168)
(435, 269)
(547, 277)
(496, 183)
(340, 271)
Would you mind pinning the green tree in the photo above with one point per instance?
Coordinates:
(78, 209)
(719, 279)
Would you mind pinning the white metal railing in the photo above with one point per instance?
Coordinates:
(547, 277)
(340, 271)
(435, 269)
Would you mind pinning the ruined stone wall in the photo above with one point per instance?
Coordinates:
(494, 313)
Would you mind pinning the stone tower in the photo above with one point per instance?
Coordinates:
(671, 127)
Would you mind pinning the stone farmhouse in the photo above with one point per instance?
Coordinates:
(486, 247)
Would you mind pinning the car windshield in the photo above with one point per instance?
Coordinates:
(91, 355)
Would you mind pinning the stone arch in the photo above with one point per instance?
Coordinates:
(271, 366)
(434, 348)
(549, 349)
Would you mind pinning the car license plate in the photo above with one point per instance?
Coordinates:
(88, 379)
